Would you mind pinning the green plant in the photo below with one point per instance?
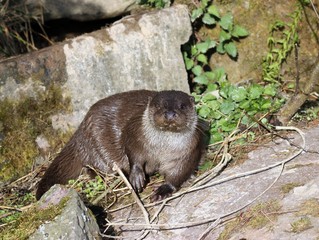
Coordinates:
(90, 188)
(226, 106)
(282, 40)
(197, 53)
(156, 3)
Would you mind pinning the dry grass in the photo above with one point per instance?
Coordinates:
(16, 28)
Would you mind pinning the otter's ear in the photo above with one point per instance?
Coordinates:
(192, 99)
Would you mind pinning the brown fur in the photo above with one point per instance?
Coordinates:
(142, 132)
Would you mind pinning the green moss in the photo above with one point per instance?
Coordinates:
(301, 225)
(310, 207)
(288, 187)
(30, 220)
(263, 214)
(20, 123)
(15, 200)
(256, 217)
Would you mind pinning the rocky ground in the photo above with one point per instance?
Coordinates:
(272, 194)
(289, 209)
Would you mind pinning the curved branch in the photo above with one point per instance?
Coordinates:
(296, 101)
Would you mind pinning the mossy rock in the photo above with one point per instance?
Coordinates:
(21, 122)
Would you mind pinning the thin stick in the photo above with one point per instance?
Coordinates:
(314, 8)
(297, 89)
(11, 208)
(211, 227)
(137, 199)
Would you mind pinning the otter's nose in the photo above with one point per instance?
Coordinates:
(170, 115)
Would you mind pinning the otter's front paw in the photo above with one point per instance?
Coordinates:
(163, 192)
(137, 178)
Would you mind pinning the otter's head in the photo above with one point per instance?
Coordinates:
(172, 111)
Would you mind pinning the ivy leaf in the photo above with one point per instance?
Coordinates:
(207, 19)
(264, 120)
(204, 3)
(201, 79)
(220, 74)
(197, 70)
(213, 89)
(226, 22)
(255, 91)
(223, 92)
(194, 50)
(204, 111)
(189, 63)
(244, 104)
(239, 31)
(208, 97)
(227, 107)
(212, 10)
(196, 13)
(213, 105)
(228, 127)
(245, 120)
(204, 46)
(216, 137)
(231, 49)
(211, 44)
(223, 36)
(197, 98)
(220, 48)
(238, 94)
(216, 115)
(266, 104)
(210, 75)
(252, 112)
(202, 58)
(270, 89)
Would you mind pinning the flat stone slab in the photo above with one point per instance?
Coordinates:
(221, 199)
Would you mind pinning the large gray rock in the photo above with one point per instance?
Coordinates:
(75, 222)
(82, 10)
(138, 52)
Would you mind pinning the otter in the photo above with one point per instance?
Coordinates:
(143, 132)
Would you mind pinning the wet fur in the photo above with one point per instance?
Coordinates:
(125, 128)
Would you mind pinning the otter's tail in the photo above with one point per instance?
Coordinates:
(65, 166)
